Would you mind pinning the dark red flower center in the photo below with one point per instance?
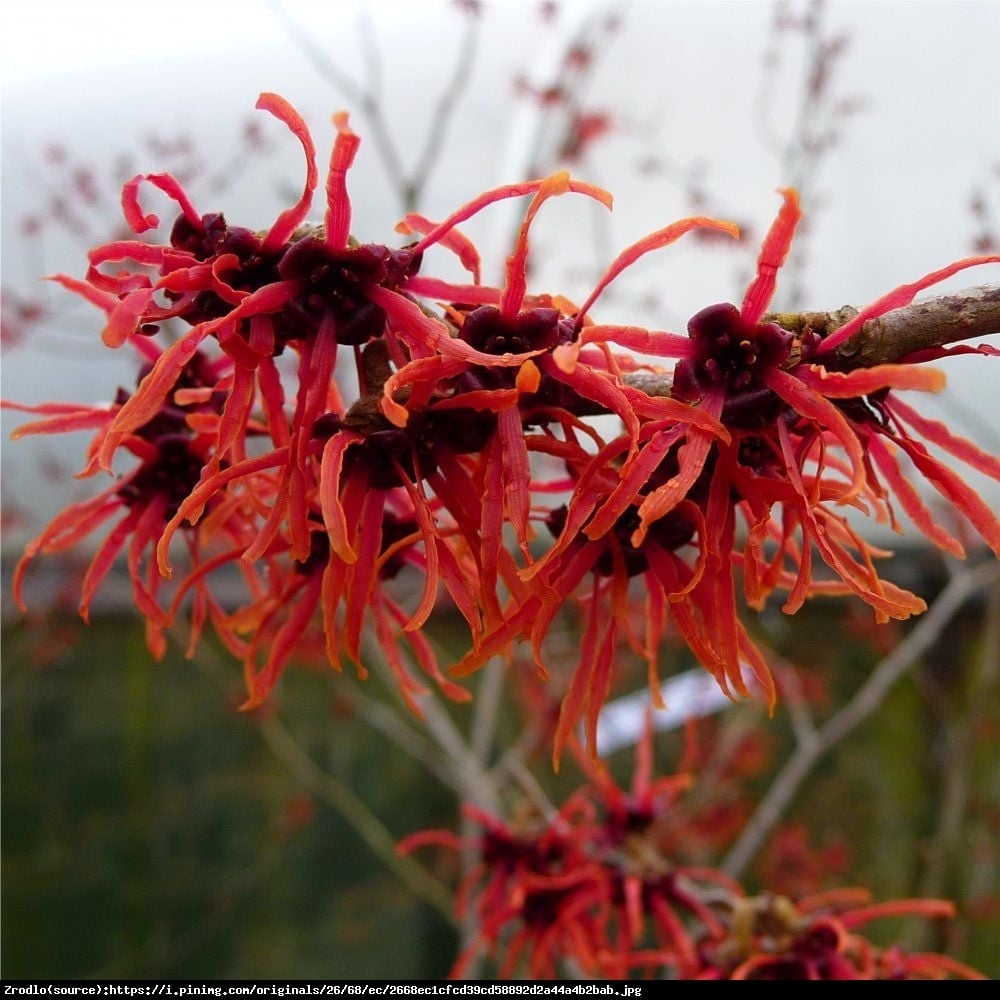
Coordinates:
(254, 269)
(542, 329)
(386, 455)
(215, 238)
(489, 331)
(730, 354)
(336, 284)
(670, 532)
(172, 419)
(394, 529)
(171, 476)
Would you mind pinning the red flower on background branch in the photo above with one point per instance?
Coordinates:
(593, 888)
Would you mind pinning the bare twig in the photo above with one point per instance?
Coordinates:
(443, 111)
(487, 709)
(353, 809)
(945, 851)
(868, 698)
(476, 785)
(974, 312)
(409, 184)
(946, 319)
(390, 724)
(516, 768)
(371, 830)
(455, 761)
(801, 718)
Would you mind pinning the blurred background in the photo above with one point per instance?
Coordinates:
(149, 830)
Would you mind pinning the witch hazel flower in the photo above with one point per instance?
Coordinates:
(349, 599)
(256, 295)
(610, 548)
(329, 292)
(369, 515)
(797, 439)
(819, 938)
(213, 276)
(658, 910)
(498, 363)
(679, 590)
(595, 886)
(536, 336)
(538, 893)
(170, 451)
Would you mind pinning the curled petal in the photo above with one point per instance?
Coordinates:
(938, 433)
(516, 474)
(72, 419)
(145, 254)
(958, 492)
(105, 558)
(423, 372)
(634, 476)
(338, 205)
(636, 338)
(170, 186)
(286, 223)
(665, 498)
(153, 390)
(67, 528)
(458, 243)
(333, 511)
(654, 241)
(156, 386)
(812, 405)
(933, 908)
(910, 499)
(773, 253)
(496, 400)
(427, 332)
(601, 389)
(283, 646)
(447, 291)
(499, 194)
(936, 353)
(193, 506)
(865, 381)
(516, 282)
(101, 299)
(126, 318)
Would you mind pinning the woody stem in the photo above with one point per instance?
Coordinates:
(974, 312)
(814, 745)
(946, 319)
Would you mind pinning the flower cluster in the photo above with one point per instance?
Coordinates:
(597, 889)
(331, 417)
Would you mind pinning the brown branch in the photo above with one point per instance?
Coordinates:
(974, 312)
(868, 698)
(935, 322)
